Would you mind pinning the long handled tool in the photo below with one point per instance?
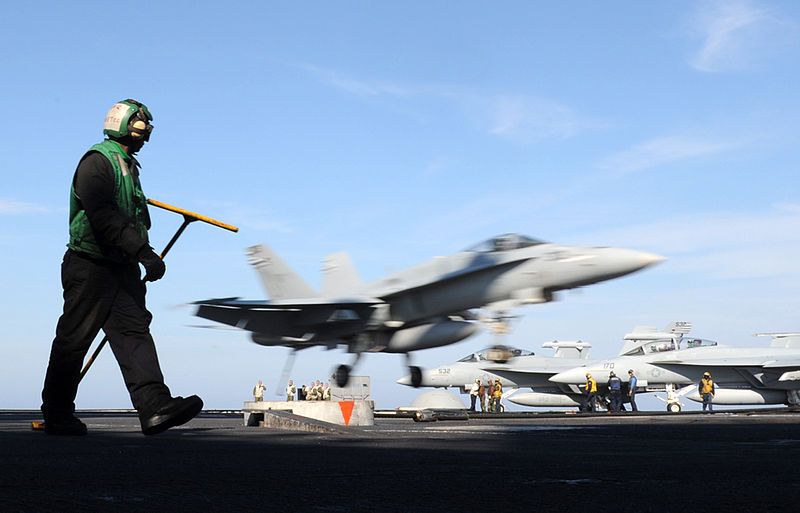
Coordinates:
(188, 217)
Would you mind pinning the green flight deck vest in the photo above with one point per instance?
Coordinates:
(128, 195)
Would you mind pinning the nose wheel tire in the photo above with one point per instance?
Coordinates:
(674, 408)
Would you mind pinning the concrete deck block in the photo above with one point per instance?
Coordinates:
(343, 413)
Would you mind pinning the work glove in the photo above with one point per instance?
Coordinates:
(154, 267)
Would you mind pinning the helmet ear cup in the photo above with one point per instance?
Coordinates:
(138, 127)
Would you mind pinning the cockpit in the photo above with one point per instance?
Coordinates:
(670, 345)
(505, 242)
(699, 342)
(488, 353)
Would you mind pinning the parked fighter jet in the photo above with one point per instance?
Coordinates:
(522, 369)
(742, 375)
(525, 370)
(425, 306)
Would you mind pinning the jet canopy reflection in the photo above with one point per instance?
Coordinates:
(504, 242)
(490, 354)
(661, 346)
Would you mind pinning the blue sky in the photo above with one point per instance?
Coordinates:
(398, 131)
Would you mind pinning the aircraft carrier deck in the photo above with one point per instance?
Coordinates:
(490, 463)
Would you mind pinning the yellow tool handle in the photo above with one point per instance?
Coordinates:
(193, 215)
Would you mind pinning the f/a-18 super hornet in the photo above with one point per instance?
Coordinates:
(425, 306)
(517, 370)
(525, 376)
(742, 375)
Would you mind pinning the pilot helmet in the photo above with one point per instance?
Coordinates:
(128, 119)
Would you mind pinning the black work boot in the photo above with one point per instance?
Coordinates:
(65, 426)
(174, 412)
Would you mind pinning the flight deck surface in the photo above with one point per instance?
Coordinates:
(559, 462)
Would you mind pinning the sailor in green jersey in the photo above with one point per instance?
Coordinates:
(103, 289)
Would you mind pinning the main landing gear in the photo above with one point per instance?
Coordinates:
(416, 372)
(342, 374)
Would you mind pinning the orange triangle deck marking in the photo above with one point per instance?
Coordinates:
(347, 410)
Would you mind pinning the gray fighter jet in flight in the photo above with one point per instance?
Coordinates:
(425, 306)
(742, 375)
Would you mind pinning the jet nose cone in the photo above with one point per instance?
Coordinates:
(650, 258)
(619, 262)
(405, 380)
(634, 260)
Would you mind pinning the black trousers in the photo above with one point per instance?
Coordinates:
(111, 296)
(591, 401)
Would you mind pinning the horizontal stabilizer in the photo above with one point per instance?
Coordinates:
(569, 349)
(280, 280)
(782, 339)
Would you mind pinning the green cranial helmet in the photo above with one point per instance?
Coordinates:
(128, 119)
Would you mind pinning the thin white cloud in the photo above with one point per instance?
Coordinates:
(516, 117)
(251, 217)
(720, 244)
(13, 207)
(736, 35)
(353, 85)
(660, 151)
(528, 118)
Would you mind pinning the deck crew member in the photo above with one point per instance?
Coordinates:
(632, 390)
(290, 391)
(258, 391)
(473, 394)
(108, 239)
(591, 394)
(706, 389)
(615, 390)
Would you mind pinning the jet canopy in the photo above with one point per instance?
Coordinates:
(505, 242)
(699, 342)
(483, 356)
(669, 345)
(641, 347)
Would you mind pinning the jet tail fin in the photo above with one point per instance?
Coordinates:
(339, 276)
(681, 327)
(280, 280)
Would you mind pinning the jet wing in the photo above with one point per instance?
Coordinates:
(507, 370)
(742, 361)
(480, 264)
(307, 322)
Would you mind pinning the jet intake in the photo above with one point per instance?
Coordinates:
(532, 295)
(429, 335)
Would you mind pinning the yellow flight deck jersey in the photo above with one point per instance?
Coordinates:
(498, 391)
